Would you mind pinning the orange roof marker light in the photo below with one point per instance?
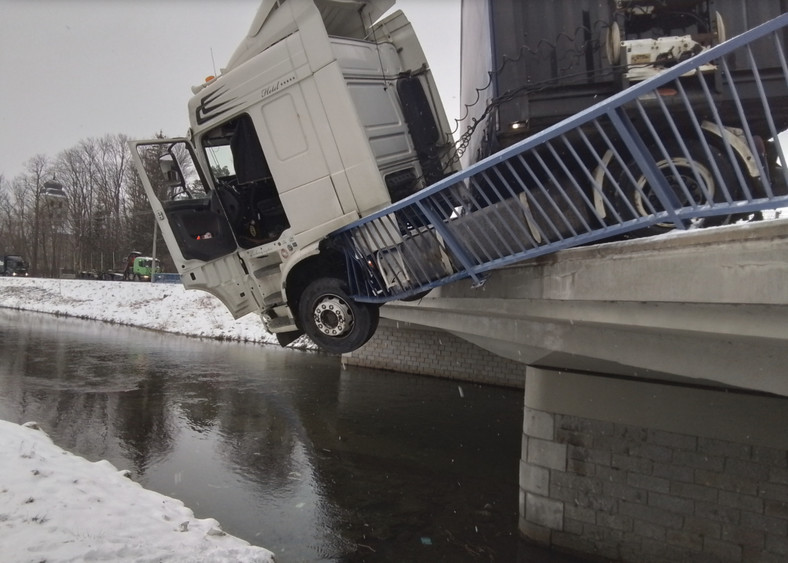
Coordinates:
(208, 79)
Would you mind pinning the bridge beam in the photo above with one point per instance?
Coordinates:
(707, 306)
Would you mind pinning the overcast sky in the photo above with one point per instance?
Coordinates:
(74, 69)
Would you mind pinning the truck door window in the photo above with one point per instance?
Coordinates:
(244, 182)
(193, 213)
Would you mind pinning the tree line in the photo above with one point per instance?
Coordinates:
(104, 215)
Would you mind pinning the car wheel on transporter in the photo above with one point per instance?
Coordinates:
(695, 170)
(333, 320)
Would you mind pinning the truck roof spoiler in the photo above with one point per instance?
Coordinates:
(344, 18)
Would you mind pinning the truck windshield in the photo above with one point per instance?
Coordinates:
(220, 158)
(234, 153)
(244, 182)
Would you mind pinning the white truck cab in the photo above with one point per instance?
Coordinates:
(321, 117)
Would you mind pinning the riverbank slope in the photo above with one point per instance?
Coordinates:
(161, 306)
(59, 507)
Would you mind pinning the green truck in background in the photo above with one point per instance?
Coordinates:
(142, 269)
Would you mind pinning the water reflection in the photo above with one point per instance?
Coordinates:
(286, 449)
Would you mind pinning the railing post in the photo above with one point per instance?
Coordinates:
(448, 239)
(647, 164)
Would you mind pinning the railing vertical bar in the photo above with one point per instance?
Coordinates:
(625, 171)
(598, 188)
(410, 261)
(465, 225)
(563, 194)
(669, 158)
(685, 152)
(362, 253)
(426, 234)
(743, 116)
(708, 196)
(494, 210)
(368, 240)
(383, 253)
(780, 50)
(581, 192)
(351, 266)
(507, 208)
(718, 122)
(525, 211)
(767, 112)
(645, 161)
(468, 223)
(549, 200)
(456, 248)
(699, 132)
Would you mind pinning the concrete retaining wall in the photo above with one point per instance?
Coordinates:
(669, 474)
(409, 349)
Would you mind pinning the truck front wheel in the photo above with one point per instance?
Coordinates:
(333, 320)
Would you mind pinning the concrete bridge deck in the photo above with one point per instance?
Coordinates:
(708, 306)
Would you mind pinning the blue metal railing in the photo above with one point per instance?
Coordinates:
(684, 148)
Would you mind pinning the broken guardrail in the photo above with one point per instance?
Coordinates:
(685, 148)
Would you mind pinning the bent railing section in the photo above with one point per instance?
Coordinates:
(687, 148)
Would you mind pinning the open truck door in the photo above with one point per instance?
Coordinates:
(194, 223)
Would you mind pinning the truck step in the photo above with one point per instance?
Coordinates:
(282, 324)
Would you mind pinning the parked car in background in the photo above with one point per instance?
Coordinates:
(13, 265)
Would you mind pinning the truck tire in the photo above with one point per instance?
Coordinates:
(334, 321)
(693, 171)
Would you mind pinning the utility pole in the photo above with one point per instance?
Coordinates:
(153, 253)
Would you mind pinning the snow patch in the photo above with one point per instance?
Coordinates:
(164, 307)
(58, 507)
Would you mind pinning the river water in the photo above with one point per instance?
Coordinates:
(287, 449)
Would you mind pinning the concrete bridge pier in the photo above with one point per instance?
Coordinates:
(653, 471)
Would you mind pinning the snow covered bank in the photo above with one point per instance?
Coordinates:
(165, 307)
(57, 507)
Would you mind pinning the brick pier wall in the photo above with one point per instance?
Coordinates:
(408, 349)
(644, 472)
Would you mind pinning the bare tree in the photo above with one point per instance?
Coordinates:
(104, 215)
(96, 173)
(30, 192)
(75, 168)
